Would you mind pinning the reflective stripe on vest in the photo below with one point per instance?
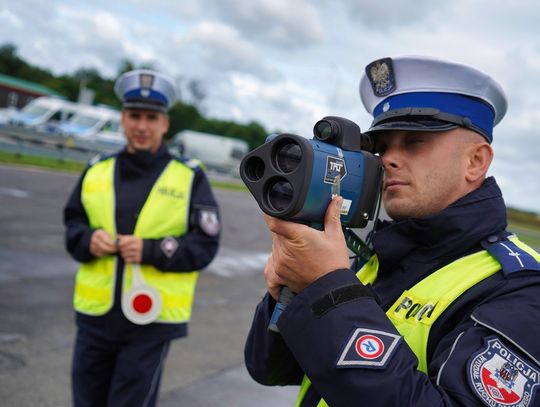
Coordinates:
(417, 309)
(165, 213)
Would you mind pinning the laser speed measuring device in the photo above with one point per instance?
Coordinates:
(295, 178)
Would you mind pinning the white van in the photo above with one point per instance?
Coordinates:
(42, 112)
(88, 121)
(218, 153)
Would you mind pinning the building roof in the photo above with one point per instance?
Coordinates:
(28, 86)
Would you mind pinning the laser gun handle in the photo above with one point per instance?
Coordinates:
(285, 298)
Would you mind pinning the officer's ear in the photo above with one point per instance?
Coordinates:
(479, 157)
(166, 122)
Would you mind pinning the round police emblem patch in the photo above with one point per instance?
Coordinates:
(369, 347)
(500, 377)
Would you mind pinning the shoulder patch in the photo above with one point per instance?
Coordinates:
(192, 163)
(368, 348)
(98, 158)
(501, 377)
(95, 159)
(511, 257)
(208, 220)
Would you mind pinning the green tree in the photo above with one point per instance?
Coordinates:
(182, 116)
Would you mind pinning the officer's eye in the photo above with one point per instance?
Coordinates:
(416, 139)
(380, 148)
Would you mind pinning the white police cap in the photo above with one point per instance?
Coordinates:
(145, 89)
(428, 94)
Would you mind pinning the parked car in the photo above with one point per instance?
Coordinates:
(6, 114)
(42, 112)
(88, 121)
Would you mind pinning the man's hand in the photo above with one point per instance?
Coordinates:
(101, 244)
(273, 281)
(130, 248)
(301, 255)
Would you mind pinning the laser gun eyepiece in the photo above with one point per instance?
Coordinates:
(343, 133)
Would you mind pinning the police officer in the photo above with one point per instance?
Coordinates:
(446, 312)
(141, 222)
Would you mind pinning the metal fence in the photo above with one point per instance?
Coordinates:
(26, 141)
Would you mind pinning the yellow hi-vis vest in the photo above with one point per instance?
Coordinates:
(417, 309)
(165, 213)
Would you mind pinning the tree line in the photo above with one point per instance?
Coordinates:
(183, 115)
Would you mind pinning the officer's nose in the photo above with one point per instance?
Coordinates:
(391, 158)
(142, 124)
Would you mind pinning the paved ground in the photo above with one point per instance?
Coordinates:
(36, 318)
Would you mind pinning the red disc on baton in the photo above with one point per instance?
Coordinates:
(142, 303)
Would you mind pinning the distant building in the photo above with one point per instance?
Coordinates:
(15, 92)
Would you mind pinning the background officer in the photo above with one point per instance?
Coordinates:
(141, 222)
(446, 311)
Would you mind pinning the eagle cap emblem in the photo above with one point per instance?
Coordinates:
(381, 76)
(146, 81)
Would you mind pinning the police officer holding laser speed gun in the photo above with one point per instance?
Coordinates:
(445, 311)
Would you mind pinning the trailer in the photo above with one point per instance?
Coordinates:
(218, 153)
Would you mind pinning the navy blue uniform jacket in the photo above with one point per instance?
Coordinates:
(483, 350)
(135, 175)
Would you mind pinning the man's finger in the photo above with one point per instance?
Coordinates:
(287, 229)
(332, 218)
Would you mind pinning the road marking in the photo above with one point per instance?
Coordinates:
(14, 192)
(18, 264)
(230, 263)
(11, 337)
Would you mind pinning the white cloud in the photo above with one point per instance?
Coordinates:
(221, 48)
(281, 105)
(389, 15)
(10, 19)
(288, 63)
(285, 23)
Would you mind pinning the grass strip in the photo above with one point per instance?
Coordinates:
(77, 166)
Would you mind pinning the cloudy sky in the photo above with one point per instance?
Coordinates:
(288, 63)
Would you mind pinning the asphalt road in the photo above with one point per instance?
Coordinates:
(36, 317)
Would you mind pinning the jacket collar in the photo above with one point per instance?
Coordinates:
(437, 239)
(135, 164)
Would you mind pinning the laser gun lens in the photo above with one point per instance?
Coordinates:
(279, 195)
(254, 168)
(288, 157)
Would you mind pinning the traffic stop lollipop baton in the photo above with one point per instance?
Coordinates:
(141, 304)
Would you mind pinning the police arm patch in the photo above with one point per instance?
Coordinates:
(168, 246)
(368, 348)
(500, 377)
(208, 221)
